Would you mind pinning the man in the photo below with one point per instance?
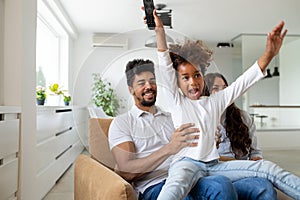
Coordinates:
(143, 141)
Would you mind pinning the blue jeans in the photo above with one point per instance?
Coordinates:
(216, 187)
(185, 172)
(255, 188)
(213, 187)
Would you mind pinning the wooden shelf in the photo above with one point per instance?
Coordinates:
(273, 106)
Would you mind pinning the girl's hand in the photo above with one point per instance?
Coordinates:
(275, 39)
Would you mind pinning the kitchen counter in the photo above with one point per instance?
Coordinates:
(277, 128)
(287, 137)
(276, 117)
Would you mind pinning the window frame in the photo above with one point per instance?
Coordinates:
(52, 20)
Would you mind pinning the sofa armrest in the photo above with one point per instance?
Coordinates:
(282, 196)
(93, 181)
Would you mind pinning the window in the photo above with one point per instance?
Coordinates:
(52, 51)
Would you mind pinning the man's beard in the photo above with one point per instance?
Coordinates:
(147, 103)
(144, 102)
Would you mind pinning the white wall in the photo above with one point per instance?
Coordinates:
(290, 73)
(265, 92)
(19, 82)
(223, 59)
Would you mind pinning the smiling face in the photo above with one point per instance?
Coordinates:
(218, 85)
(190, 80)
(144, 90)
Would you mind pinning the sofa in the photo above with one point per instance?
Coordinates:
(94, 177)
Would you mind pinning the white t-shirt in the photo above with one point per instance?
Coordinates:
(206, 111)
(149, 133)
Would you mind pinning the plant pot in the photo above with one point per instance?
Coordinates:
(54, 100)
(40, 102)
(66, 103)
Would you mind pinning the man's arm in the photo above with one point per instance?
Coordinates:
(131, 167)
(274, 42)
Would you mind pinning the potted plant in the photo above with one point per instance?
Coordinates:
(55, 95)
(103, 96)
(67, 99)
(40, 95)
(55, 89)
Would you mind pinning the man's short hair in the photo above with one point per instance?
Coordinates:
(136, 67)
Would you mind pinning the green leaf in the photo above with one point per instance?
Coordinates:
(103, 96)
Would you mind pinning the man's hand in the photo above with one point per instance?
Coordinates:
(184, 136)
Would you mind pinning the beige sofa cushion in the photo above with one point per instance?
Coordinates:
(93, 181)
(98, 141)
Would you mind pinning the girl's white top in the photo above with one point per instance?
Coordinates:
(206, 111)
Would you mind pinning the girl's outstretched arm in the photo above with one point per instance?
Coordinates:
(274, 43)
(160, 33)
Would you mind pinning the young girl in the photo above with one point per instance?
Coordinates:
(188, 105)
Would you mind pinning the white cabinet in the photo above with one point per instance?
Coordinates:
(60, 138)
(9, 151)
(58, 143)
(278, 138)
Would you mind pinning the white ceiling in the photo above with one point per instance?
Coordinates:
(209, 20)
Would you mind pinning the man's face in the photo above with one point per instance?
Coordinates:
(144, 89)
(190, 81)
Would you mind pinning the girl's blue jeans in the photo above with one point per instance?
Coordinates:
(185, 173)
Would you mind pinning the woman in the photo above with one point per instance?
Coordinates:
(238, 139)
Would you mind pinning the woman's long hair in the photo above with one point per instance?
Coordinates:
(236, 130)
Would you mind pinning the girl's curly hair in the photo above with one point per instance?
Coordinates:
(194, 52)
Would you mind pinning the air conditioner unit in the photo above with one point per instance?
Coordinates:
(109, 40)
